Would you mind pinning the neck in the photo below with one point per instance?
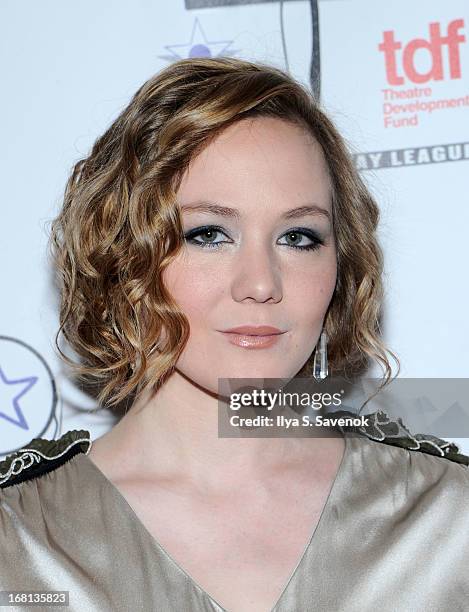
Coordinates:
(174, 433)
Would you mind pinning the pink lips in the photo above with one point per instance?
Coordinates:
(253, 336)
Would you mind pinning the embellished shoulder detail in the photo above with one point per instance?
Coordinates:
(381, 428)
(41, 456)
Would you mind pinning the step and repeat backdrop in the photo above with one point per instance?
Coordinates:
(393, 75)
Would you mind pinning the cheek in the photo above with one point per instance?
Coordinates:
(310, 290)
(192, 289)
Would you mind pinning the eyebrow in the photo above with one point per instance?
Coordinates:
(225, 211)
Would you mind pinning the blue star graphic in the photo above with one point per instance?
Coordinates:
(199, 46)
(28, 382)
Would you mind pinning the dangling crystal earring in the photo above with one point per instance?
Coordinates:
(320, 368)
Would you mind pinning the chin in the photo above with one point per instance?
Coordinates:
(259, 372)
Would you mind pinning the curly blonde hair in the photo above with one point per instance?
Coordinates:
(120, 227)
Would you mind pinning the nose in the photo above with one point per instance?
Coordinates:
(256, 273)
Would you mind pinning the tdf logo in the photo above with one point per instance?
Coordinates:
(399, 63)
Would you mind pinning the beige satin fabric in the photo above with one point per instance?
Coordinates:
(393, 537)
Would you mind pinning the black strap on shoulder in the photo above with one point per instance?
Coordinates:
(378, 426)
(41, 456)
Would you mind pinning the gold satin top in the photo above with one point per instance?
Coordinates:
(393, 536)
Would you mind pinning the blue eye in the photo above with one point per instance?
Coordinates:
(210, 231)
(296, 233)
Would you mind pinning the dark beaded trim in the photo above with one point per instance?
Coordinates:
(41, 456)
(382, 428)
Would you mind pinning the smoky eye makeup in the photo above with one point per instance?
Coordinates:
(215, 237)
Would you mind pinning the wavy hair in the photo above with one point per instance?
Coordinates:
(119, 226)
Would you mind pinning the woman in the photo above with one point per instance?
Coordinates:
(222, 197)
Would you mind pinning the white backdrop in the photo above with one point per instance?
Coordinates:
(394, 76)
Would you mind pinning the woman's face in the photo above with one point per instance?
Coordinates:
(258, 267)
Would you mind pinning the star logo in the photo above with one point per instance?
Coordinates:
(9, 402)
(28, 396)
(198, 46)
